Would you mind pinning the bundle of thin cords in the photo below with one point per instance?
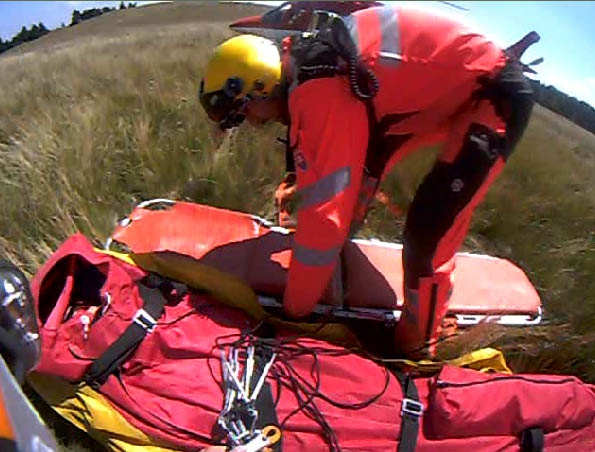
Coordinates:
(285, 375)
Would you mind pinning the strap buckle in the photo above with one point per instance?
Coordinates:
(144, 320)
(412, 407)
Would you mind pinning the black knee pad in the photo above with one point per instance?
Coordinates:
(512, 96)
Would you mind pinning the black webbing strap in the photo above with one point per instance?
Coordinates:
(532, 440)
(267, 413)
(411, 411)
(153, 290)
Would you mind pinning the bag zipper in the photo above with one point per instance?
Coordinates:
(447, 384)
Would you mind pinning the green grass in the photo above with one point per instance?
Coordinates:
(93, 122)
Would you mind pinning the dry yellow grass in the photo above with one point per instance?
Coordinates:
(90, 130)
(98, 117)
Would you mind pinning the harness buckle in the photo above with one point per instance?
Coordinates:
(144, 320)
(412, 407)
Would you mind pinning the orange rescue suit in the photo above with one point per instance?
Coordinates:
(438, 82)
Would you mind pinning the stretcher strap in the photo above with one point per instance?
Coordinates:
(411, 411)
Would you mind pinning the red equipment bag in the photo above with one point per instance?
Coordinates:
(168, 383)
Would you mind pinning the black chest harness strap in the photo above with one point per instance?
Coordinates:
(331, 52)
(154, 291)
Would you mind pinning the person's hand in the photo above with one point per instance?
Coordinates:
(285, 200)
(393, 208)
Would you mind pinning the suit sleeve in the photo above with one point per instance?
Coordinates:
(329, 135)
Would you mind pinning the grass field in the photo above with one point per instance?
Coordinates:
(97, 117)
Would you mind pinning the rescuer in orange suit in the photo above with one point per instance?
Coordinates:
(358, 96)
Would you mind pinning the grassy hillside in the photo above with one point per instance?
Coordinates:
(97, 117)
(126, 22)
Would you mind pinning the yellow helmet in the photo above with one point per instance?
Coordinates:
(242, 67)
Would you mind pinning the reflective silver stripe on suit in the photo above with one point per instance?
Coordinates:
(315, 258)
(324, 189)
(351, 25)
(390, 45)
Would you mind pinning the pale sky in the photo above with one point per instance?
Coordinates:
(567, 30)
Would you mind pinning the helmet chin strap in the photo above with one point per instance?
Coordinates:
(236, 116)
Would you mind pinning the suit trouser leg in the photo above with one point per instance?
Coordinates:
(481, 139)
